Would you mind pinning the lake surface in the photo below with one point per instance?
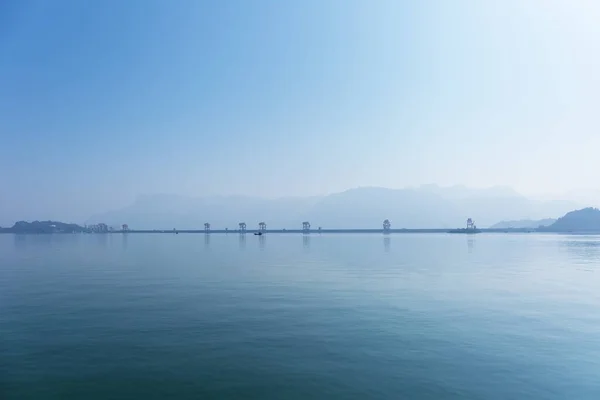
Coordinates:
(189, 316)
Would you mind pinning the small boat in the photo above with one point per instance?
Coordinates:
(258, 233)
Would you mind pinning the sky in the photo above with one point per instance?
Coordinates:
(104, 100)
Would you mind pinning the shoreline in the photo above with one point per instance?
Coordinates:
(300, 231)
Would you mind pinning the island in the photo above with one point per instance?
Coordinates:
(43, 227)
(586, 220)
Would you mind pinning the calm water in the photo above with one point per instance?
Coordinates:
(293, 317)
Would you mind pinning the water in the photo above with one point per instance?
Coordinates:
(296, 317)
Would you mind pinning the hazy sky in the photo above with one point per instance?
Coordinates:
(103, 100)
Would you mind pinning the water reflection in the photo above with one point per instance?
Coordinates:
(261, 242)
(124, 240)
(470, 244)
(242, 241)
(386, 244)
(206, 240)
(20, 241)
(306, 242)
(27, 240)
(102, 239)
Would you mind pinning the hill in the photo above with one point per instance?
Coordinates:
(523, 224)
(428, 206)
(584, 220)
(42, 227)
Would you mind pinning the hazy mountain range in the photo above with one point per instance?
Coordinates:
(428, 206)
(523, 223)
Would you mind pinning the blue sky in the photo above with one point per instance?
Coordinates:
(103, 100)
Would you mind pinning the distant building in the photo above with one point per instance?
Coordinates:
(306, 227)
(471, 224)
(387, 225)
(97, 228)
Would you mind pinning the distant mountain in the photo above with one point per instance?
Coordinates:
(429, 206)
(463, 192)
(172, 211)
(42, 227)
(584, 220)
(523, 224)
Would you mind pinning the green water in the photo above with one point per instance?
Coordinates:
(290, 317)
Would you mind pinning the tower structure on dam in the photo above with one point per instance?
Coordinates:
(306, 227)
(387, 225)
(242, 227)
(471, 224)
(206, 227)
(262, 227)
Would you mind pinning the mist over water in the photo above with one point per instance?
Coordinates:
(299, 316)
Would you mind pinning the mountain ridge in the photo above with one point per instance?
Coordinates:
(428, 206)
(583, 220)
(523, 223)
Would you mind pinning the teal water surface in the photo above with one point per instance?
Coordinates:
(189, 316)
